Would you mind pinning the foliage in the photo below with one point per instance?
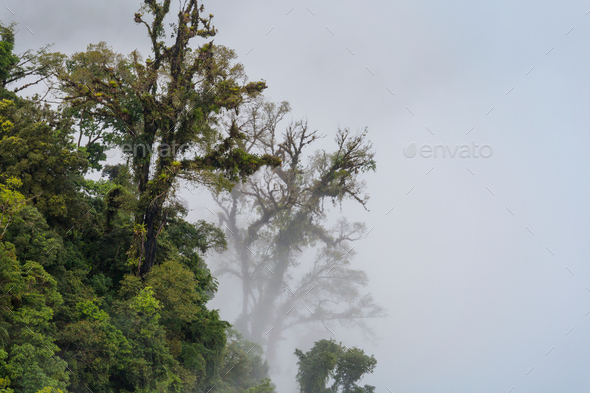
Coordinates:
(33, 238)
(243, 366)
(49, 389)
(263, 387)
(93, 347)
(35, 147)
(8, 60)
(11, 201)
(28, 358)
(328, 359)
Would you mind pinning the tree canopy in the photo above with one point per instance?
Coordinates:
(329, 360)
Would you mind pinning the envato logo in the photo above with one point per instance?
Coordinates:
(142, 149)
(463, 151)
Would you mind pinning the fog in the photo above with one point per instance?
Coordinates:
(480, 263)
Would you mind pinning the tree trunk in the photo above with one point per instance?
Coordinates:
(263, 312)
(150, 245)
(246, 288)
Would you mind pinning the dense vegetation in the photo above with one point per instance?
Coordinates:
(103, 284)
(328, 360)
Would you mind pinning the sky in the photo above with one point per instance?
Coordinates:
(481, 262)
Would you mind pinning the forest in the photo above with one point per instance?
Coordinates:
(105, 284)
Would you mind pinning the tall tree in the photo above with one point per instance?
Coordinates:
(280, 212)
(166, 106)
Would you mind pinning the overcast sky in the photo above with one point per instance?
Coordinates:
(483, 262)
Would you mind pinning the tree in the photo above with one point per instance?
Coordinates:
(11, 201)
(35, 140)
(94, 348)
(351, 367)
(14, 68)
(279, 213)
(36, 148)
(166, 106)
(244, 367)
(176, 343)
(264, 387)
(33, 239)
(151, 366)
(28, 300)
(8, 60)
(329, 360)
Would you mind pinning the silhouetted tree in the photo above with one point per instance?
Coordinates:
(280, 212)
